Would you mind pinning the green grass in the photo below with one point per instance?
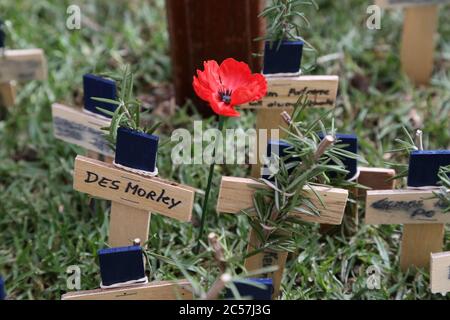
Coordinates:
(46, 226)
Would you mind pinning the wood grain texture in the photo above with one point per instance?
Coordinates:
(268, 119)
(404, 207)
(376, 179)
(7, 94)
(236, 194)
(98, 156)
(408, 3)
(163, 290)
(418, 242)
(156, 195)
(440, 272)
(23, 65)
(74, 126)
(417, 50)
(126, 224)
(283, 92)
(265, 259)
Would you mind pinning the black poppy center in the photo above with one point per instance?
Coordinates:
(225, 96)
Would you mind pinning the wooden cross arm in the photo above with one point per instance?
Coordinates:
(283, 92)
(74, 126)
(440, 272)
(236, 194)
(376, 178)
(152, 194)
(408, 3)
(404, 207)
(163, 290)
(23, 65)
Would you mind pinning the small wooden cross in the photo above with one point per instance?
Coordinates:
(82, 127)
(236, 194)
(419, 27)
(418, 208)
(133, 198)
(440, 272)
(19, 66)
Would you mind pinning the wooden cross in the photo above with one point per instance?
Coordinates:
(82, 127)
(419, 27)
(19, 66)
(422, 215)
(282, 94)
(440, 272)
(133, 198)
(236, 194)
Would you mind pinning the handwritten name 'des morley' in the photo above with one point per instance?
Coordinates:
(132, 188)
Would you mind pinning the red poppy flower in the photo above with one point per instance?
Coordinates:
(228, 85)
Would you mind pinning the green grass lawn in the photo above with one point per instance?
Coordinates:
(45, 225)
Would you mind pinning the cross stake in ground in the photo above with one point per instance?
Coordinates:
(423, 218)
(419, 27)
(133, 198)
(236, 194)
(19, 66)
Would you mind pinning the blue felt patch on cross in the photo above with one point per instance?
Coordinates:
(424, 167)
(2, 289)
(280, 148)
(2, 34)
(351, 144)
(252, 292)
(99, 87)
(121, 264)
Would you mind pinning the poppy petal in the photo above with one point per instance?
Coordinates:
(203, 91)
(254, 90)
(234, 74)
(223, 109)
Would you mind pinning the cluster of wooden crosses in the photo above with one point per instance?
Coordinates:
(134, 197)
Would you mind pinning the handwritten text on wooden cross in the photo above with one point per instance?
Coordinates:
(404, 207)
(152, 194)
(422, 215)
(74, 126)
(284, 92)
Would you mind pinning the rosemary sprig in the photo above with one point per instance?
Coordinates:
(129, 109)
(404, 149)
(444, 191)
(308, 162)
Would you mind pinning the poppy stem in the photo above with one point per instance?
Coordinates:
(208, 188)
